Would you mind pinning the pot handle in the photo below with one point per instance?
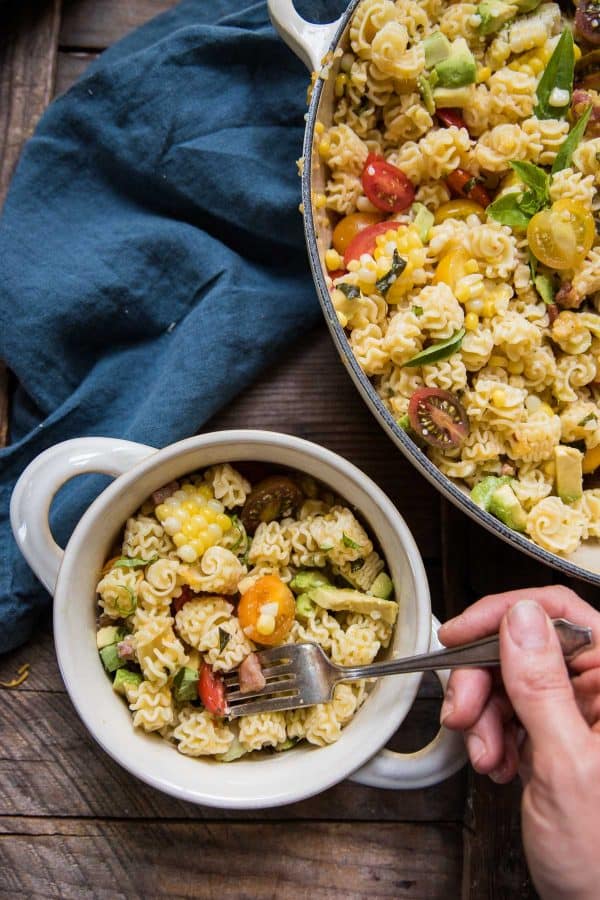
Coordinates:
(39, 482)
(441, 758)
(309, 41)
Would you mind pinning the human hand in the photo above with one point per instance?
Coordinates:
(535, 721)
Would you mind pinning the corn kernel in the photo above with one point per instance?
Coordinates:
(463, 292)
(187, 553)
(223, 522)
(483, 73)
(265, 624)
(498, 361)
(383, 267)
(319, 128)
(333, 260)
(179, 539)
(489, 308)
(188, 488)
(577, 52)
(340, 84)
(214, 533)
(515, 368)
(471, 321)
(205, 491)
(162, 511)
(324, 147)
(320, 201)
(536, 65)
(198, 545)
(471, 268)
(547, 409)
(498, 398)
(549, 469)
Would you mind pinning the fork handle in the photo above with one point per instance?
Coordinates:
(486, 652)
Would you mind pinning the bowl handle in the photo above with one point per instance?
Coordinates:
(309, 41)
(39, 482)
(441, 758)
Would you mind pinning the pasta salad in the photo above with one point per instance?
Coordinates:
(212, 568)
(462, 172)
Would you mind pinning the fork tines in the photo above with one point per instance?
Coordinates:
(280, 691)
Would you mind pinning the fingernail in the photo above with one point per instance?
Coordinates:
(501, 774)
(447, 706)
(476, 748)
(528, 625)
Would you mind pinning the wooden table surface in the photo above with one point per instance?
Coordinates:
(73, 824)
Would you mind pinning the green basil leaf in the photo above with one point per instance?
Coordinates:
(348, 542)
(349, 290)
(529, 203)
(224, 638)
(132, 562)
(534, 178)
(129, 606)
(506, 210)
(559, 74)
(589, 418)
(569, 145)
(398, 266)
(418, 311)
(437, 352)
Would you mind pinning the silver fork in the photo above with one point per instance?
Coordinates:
(301, 675)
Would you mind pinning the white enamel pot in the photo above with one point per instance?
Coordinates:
(312, 43)
(71, 576)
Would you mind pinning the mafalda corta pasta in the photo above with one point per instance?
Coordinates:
(462, 171)
(213, 568)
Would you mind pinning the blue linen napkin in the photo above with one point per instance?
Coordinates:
(151, 249)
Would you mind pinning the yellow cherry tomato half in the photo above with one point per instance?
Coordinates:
(268, 604)
(348, 227)
(451, 267)
(458, 209)
(561, 236)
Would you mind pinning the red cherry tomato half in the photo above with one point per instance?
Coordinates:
(450, 117)
(463, 184)
(438, 417)
(336, 274)
(211, 690)
(364, 242)
(386, 186)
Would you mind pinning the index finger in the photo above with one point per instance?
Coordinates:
(483, 617)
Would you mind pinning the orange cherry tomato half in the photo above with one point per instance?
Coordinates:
(464, 184)
(211, 690)
(386, 186)
(348, 227)
(450, 117)
(268, 590)
(365, 240)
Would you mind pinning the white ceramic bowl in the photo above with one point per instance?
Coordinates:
(72, 576)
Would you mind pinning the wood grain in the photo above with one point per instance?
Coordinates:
(125, 860)
(92, 24)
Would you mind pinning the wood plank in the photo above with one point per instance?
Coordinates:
(290, 398)
(27, 62)
(124, 860)
(69, 67)
(50, 766)
(90, 24)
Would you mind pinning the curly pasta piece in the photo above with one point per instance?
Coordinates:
(531, 485)
(580, 421)
(157, 604)
(476, 349)
(161, 576)
(262, 730)
(197, 619)
(496, 148)
(363, 576)
(382, 630)
(198, 733)
(449, 374)
(511, 96)
(409, 158)
(342, 192)
(516, 337)
(442, 313)
(589, 507)
(159, 652)
(284, 573)
(494, 246)
(145, 538)
(445, 149)
(433, 195)
(320, 628)
(586, 279)
(481, 445)
(570, 185)
(546, 136)
(269, 546)
(118, 592)
(370, 349)
(501, 406)
(322, 726)
(457, 21)
(228, 485)
(555, 526)
(152, 707)
(535, 439)
(369, 18)
(573, 372)
(570, 333)
(585, 158)
(218, 572)
(539, 369)
(356, 646)
(226, 646)
(405, 119)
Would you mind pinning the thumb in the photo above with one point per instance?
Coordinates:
(536, 678)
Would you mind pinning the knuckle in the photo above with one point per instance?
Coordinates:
(542, 679)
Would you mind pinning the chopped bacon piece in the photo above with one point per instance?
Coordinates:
(567, 297)
(251, 675)
(164, 492)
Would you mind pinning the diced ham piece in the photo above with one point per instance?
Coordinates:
(251, 675)
(125, 649)
(567, 298)
(163, 493)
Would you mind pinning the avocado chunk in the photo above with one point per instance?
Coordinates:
(382, 587)
(338, 599)
(457, 98)
(110, 634)
(286, 745)
(459, 69)
(304, 606)
(234, 752)
(569, 473)
(307, 580)
(504, 504)
(483, 490)
(437, 47)
(125, 680)
(185, 684)
(493, 14)
(111, 659)
(423, 220)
